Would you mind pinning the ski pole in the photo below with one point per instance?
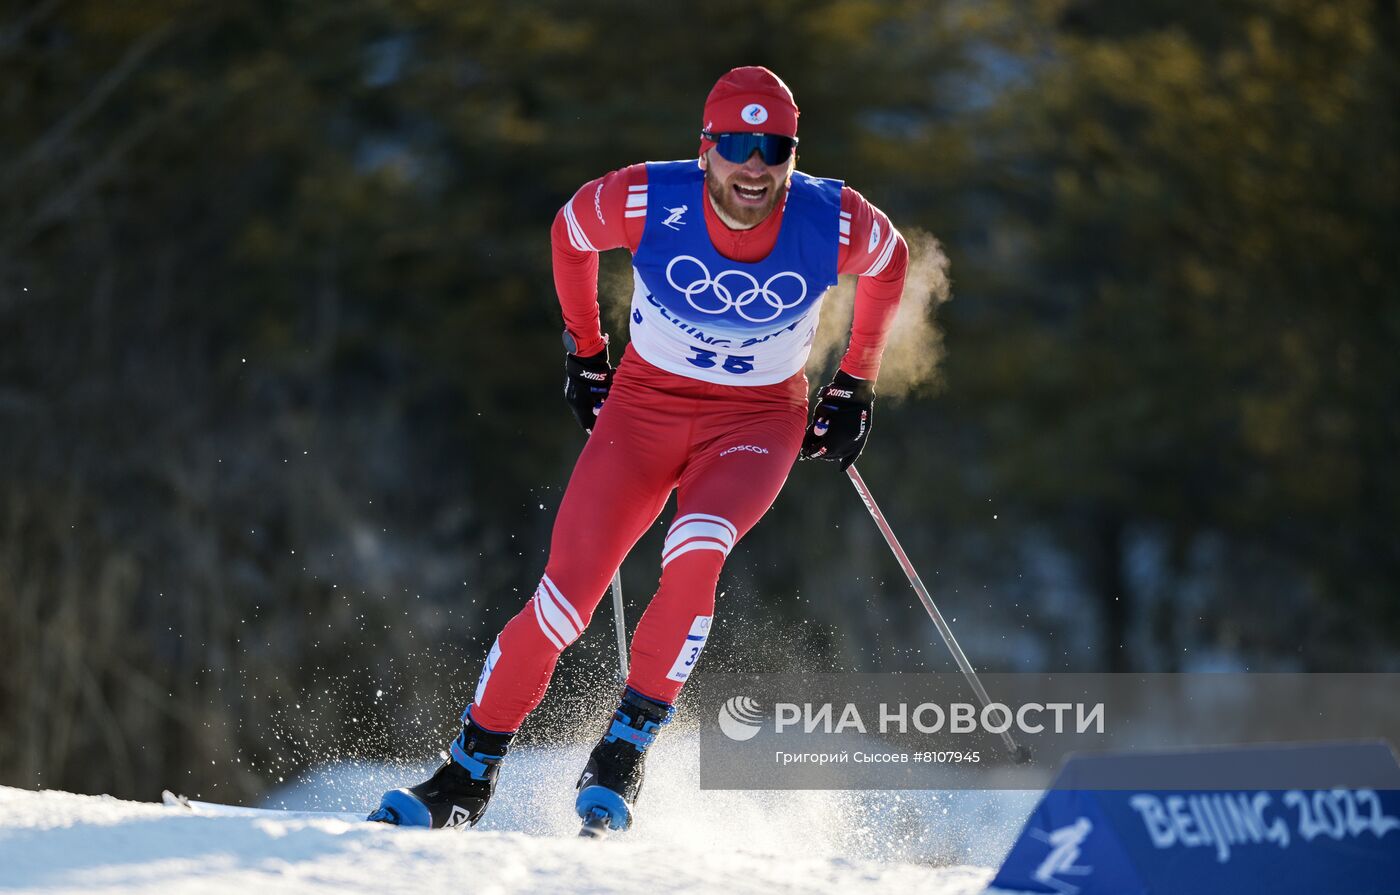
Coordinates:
(620, 624)
(1019, 753)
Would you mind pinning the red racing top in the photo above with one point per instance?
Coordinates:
(610, 213)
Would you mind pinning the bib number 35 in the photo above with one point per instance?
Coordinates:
(738, 364)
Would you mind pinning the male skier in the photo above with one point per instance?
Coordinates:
(731, 254)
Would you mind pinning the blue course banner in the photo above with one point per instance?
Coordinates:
(1318, 840)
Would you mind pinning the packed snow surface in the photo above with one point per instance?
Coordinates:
(685, 840)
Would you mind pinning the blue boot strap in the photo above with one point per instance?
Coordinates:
(639, 738)
(476, 763)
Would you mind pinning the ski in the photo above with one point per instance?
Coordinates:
(597, 825)
(603, 812)
(215, 809)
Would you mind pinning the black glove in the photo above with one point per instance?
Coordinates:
(586, 384)
(841, 420)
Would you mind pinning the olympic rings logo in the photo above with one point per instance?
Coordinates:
(709, 290)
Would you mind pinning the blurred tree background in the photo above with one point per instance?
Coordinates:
(280, 433)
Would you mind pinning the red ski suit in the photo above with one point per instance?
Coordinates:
(725, 449)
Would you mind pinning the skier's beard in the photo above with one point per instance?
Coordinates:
(745, 215)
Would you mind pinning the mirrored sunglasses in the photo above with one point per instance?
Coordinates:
(739, 147)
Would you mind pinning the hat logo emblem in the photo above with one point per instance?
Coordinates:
(754, 113)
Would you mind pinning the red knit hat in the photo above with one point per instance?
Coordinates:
(749, 99)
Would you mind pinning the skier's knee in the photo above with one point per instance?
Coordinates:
(699, 569)
(559, 620)
(701, 537)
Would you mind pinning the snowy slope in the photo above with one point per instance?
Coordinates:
(687, 840)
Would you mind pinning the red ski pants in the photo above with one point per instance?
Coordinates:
(726, 450)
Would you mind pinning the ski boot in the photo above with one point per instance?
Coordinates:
(457, 793)
(612, 779)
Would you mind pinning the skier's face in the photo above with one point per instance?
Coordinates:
(745, 194)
